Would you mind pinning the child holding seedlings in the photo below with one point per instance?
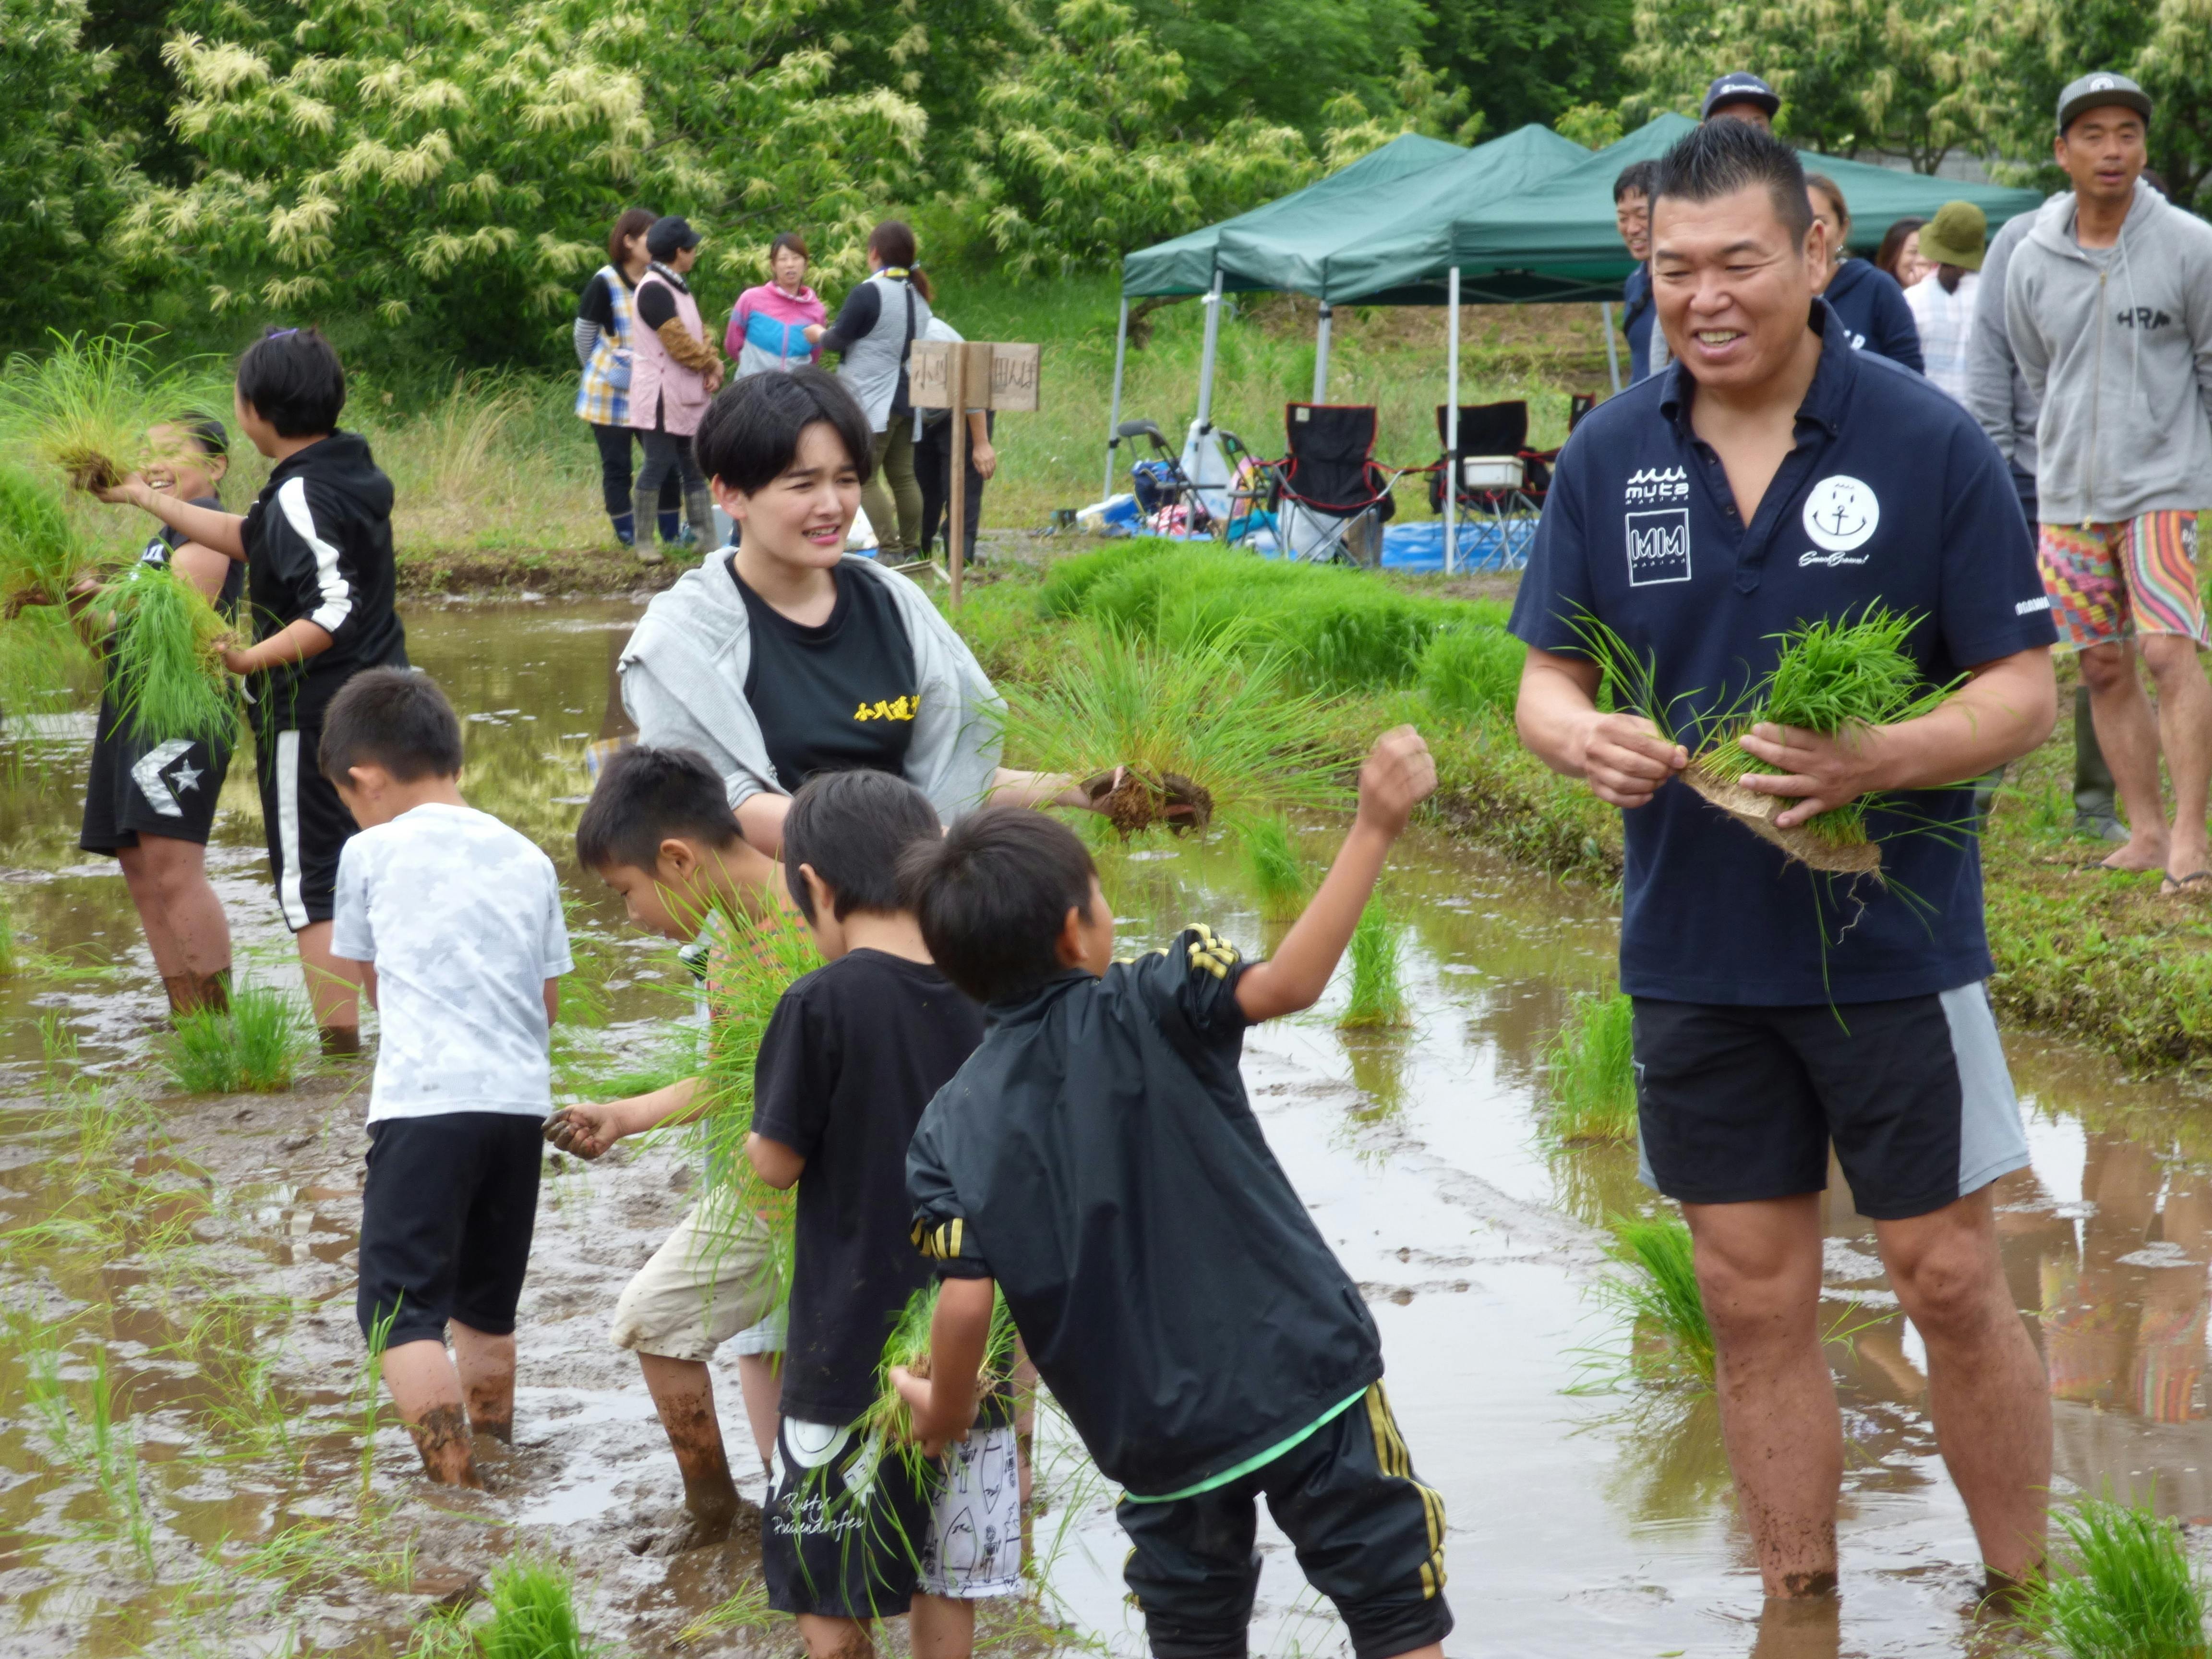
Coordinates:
(1098, 1161)
(316, 547)
(451, 921)
(658, 831)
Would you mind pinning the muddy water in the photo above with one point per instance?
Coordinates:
(209, 1284)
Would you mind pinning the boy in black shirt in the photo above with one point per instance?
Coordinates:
(1096, 1157)
(319, 581)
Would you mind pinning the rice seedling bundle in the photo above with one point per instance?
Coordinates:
(2122, 1586)
(1658, 1294)
(84, 406)
(907, 1344)
(1231, 729)
(533, 1614)
(1272, 860)
(41, 549)
(1592, 1071)
(257, 1046)
(167, 648)
(1378, 990)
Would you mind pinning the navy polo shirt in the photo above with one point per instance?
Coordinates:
(1891, 494)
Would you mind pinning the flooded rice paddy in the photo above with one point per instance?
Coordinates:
(191, 1461)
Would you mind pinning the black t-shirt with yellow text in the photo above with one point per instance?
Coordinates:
(836, 698)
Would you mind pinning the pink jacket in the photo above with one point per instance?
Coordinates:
(659, 385)
(766, 330)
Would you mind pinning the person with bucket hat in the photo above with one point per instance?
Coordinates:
(2108, 308)
(1942, 306)
(1737, 96)
(674, 372)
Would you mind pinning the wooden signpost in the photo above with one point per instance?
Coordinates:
(978, 376)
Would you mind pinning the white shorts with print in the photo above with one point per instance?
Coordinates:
(975, 1544)
(711, 1281)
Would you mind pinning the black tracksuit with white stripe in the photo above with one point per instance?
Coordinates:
(317, 545)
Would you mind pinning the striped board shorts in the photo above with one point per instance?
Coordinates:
(2112, 581)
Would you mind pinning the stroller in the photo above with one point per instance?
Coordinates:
(1173, 503)
(1333, 497)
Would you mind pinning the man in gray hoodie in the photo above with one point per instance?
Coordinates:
(2108, 305)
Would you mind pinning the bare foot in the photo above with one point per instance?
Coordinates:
(2141, 852)
(442, 1437)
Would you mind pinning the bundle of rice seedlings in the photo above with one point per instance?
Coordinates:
(2123, 1586)
(907, 1344)
(533, 1614)
(166, 647)
(41, 549)
(1224, 727)
(1591, 1072)
(1379, 991)
(84, 406)
(1272, 860)
(45, 670)
(257, 1047)
(1672, 1341)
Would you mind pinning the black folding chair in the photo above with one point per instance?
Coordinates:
(1499, 481)
(1332, 491)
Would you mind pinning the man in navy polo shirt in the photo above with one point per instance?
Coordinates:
(1772, 476)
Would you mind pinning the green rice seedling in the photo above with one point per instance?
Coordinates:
(746, 1608)
(41, 549)
(907, 1344)
(1672, 1341)
(1236, 728)
(257, 1047)
(533, 1614)
(1592, 1071)
(84, 406)
(1271, 858)
(1378, 990)
(167, 648)
(93, 1439)
(370, 1384)
(1471, 670)
(2122, 1586)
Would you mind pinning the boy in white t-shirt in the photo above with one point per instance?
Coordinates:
(453, 922)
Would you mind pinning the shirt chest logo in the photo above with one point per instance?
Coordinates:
(1841, 515)
(1655, 484)
(895, 708)
(1658, 546)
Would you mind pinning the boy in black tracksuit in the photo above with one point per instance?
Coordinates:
(319, 581)
(1096, 1157)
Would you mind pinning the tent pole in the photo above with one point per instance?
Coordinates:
(1451, 423)
(1321, 355)
(1114, 414)
(1611, 348)
(1205, 362)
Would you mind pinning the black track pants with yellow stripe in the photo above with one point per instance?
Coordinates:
(1368, 1535)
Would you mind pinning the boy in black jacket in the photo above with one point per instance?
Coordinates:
(1096, 1157)
(316, 547)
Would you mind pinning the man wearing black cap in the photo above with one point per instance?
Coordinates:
(2108, 308)
(1739, 97)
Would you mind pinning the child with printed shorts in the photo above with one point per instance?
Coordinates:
(659, 830)
(1097, 1160)
(452, 923)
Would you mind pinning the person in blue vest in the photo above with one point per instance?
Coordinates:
(1631, 216)
(1773, 476)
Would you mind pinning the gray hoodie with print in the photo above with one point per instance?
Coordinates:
(684, 683)
(2116, 348)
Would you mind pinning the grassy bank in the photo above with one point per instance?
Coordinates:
(2078, 950)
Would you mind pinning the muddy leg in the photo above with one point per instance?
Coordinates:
(486, 1364)
(1758, 1271)
(760, 1385)
(428, 1397)
(683, 1393)
(941, 1627)
(835, 1638)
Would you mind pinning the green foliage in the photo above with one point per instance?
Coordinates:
(1233, 724)
(1672, 1341)
(41, 549)
(1534, 60)
(257, 1047)
(2123, 1586)
(1591, 1072)
(1378, 989)
(907, 1344)
(1271, 859)
(166, 647)
(533, 1614)
(1473, 668)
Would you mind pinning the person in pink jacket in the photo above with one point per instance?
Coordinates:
(674, 372)
(768, 329)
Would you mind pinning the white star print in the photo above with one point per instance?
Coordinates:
(186, 777)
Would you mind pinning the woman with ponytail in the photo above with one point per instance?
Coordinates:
(874, 335)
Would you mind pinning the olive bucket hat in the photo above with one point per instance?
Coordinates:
(1956, 236)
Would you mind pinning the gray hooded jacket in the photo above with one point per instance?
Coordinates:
(2119, 359)
(683, 682)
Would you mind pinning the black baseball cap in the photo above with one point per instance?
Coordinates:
(1738, 90)
(670, 237)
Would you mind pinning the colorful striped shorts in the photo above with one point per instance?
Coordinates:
(2112, 581)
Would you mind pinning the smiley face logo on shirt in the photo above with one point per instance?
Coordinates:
(1841, 513)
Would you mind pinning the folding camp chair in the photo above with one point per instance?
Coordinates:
(1167, 497)
(1499, 481)
(1253, 491)
(1333, 496)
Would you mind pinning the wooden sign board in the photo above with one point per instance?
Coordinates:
(998, 376)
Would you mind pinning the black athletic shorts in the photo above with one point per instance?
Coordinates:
(304, 820)
(136, 789)
(843, 1533)
(1368, 1536)
(446, 1218)
(1735, 1105)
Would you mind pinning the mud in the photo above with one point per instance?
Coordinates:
(181, 1270)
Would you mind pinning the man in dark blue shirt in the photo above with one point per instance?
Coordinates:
(1774, 475)
(1631, 215)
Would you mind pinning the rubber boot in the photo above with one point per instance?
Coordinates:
(699, 508)
(646, 552)
(339, 1041)
(2095, 795)
(672, 528)
(625, 526)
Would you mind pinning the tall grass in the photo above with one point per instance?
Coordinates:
(1656, 1292)
(256, 1046)
(1472, 668)
(2122, 1586)
(1272, 860)
(1591, 1072)
(1378, 990)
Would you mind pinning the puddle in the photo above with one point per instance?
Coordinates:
(201, 1283)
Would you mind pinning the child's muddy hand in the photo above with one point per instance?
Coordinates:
(133, 491)
(581, 1131)
(1399, 774)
